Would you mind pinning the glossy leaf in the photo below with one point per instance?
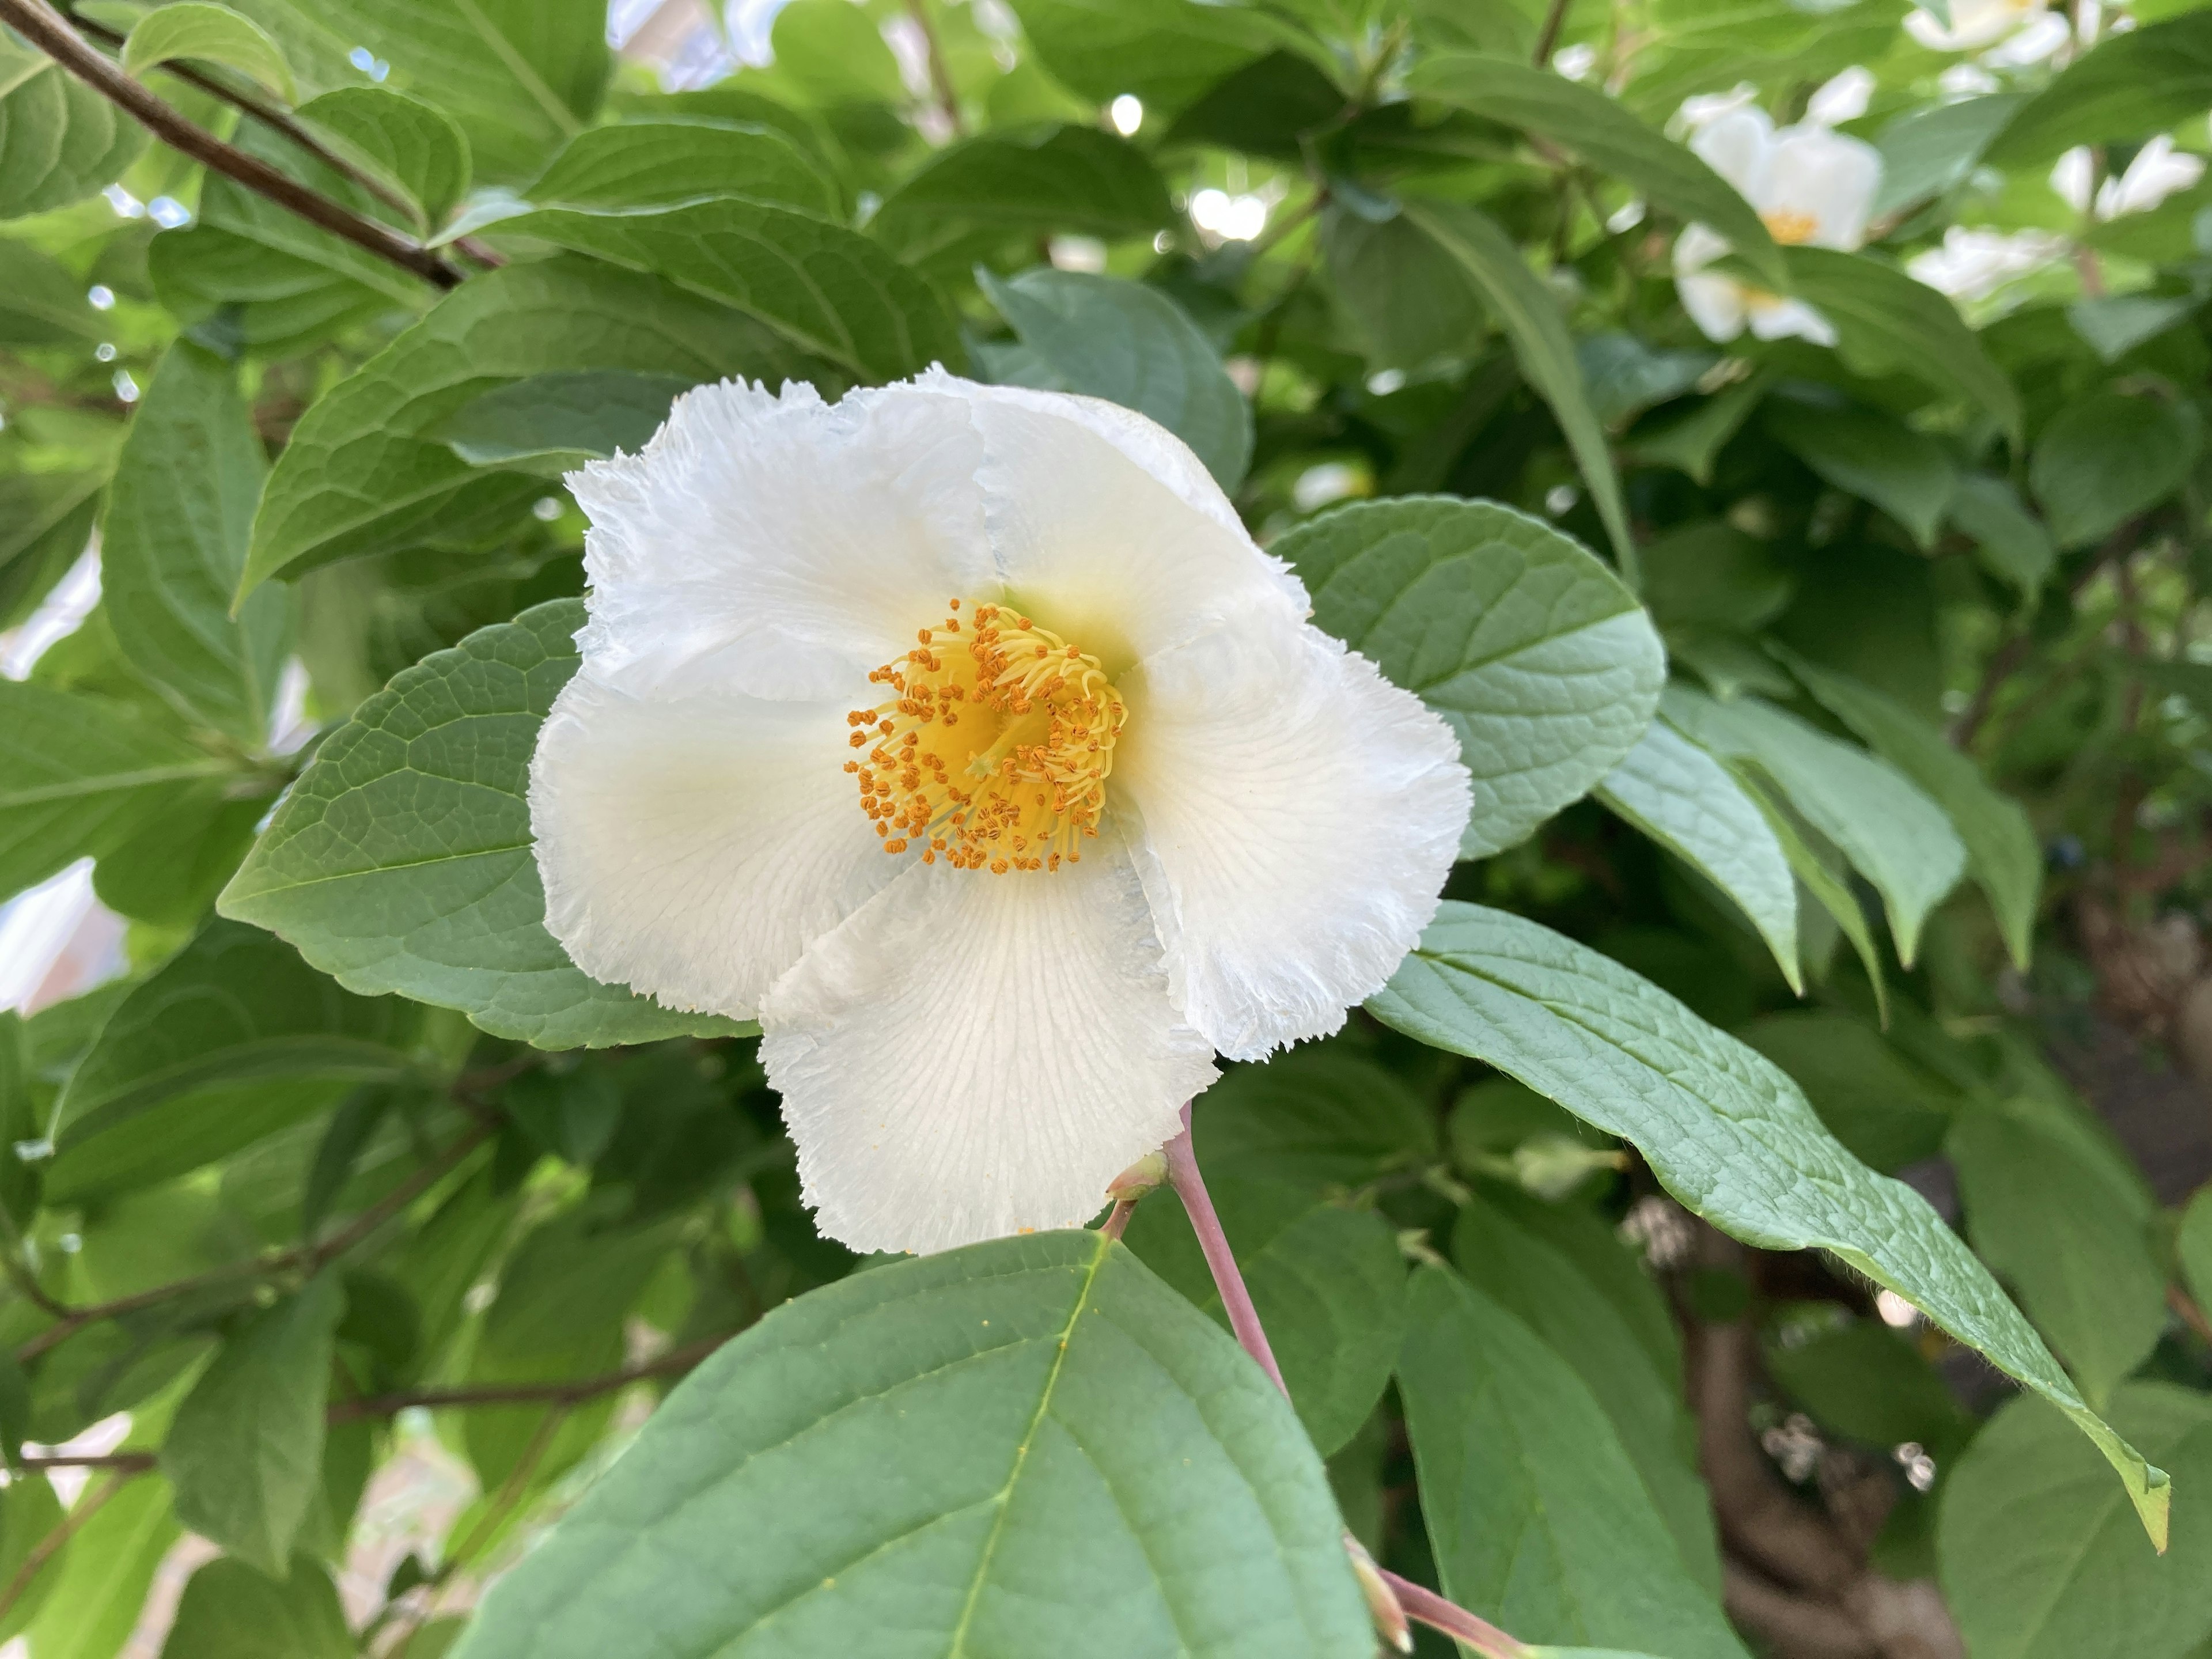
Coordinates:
(658, 163)
(1539, 1522)
(1528, 645)
(1132, 345)
(401, 861)
(1028, 1393)
(1728, 1133)
(208, 33)
(179, 516)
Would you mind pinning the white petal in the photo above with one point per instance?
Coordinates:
(971, 1055)
(692, 847)
(1828, 177)
(1716, 304)
(1108, 530)
(1299, 816)
(1737, 147)
(1774, 319)
(782, 546)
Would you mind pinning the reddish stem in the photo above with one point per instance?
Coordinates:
(1220, 1260)
(1453, 1621)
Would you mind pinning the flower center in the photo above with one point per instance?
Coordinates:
(1789, 226)
(994, 748)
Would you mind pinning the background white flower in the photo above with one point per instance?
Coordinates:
(2158, 171)
(1974, 23)
(963, 735)
(1973, 264)
(1810, 186)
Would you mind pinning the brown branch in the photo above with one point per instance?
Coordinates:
(307, 1256)
(47, 1547)
(573, 1392)
(940, 75)
(38, 22)
(1548, 37)
(132, 1462)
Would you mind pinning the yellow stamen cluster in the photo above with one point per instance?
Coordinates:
(994, 749)
(1789, 226)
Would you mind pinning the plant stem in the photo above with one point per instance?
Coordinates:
(941, 76)
(1117, 1219)
(47, 1547)
(40, 24)
(1453, 1620)
(572, 1392)
(1548, 36)
(1220, 1260)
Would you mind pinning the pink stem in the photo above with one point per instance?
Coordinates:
(1243, 1317)
(1450, 1618)
(1117, 1220)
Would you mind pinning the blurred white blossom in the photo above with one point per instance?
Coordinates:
(1843, 97)
(1974, 23)
(1973, 264)
(2158, 171)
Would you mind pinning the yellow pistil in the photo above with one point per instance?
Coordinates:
(1789, 226)
(994, 749)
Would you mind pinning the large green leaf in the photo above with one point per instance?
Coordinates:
(2130, 86)
(60, 141)
(80, 774)
(1601, 131)
(1539, 1284)
(1540, 1521)
(1887, 1111)
(42, 301)
(2106, 457)
(412, 146)
(1044, 179)
(832, 292)
(2002, 855)
(179, 516)
(94, 1604)
(1909, 327)
(208, 33)
(1906, 475)
(1678, 794)
(246, 1451)
(1165, 52)
(661, 162)
(1729, 1134)
(1895, 836)
(519, 76)
(1130, 344)
(232, 1008)
(1024, 1447)
(2037, 1557)
(364, 473)
(1534, 651)
(1490, 263)
(229, 1611)
(401, 860)
(1927, 150)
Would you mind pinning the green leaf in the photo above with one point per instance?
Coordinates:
(2073, 1241)
(1405, 297)
(179, 516)
(1729, 1134)
(208, 33)
(518, 75)
(2193, 1245)
(245, 1451)
(1678, 794)
(1034, 181)
(1264, 108)
(2116, 324)
(1893, 835)
(1880, 310)
(1329, 1282)
(1528, 645)
(1866, 1381)
(23, 1119)
(2130, 86)
(830, 291)
(2002, 855)
(661, 162)
(1824, 876)
(1540, 1285)
(401, 860)
(1087, 1466)
(1130, 344)
(29, 1514)
(1625, 377)
(232, 1008)
(364, 472)
(94, 1602)
(413, 146)
(1165, 52)
(229, 1611)
(1317, 1117)
(2106, 457)
(1602, 131)
(1927, 151)
(1540, 1521)
(1886, 1110)
(78, 774)
(2037, 1559)
(1861, 453)
(1692, 441)
(60, 141)
(2013, 543)
(553, 422)
(169, 870)
(42, 302)
(1490, 263)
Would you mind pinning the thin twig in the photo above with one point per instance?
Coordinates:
(40, 23)
(34, 1293)
(941, 76)
(1548, 36)
(572, 1392)
(47, 1547)
(306, 1256)
(1453, 1620)
(1220, 1259)
(129, 1462)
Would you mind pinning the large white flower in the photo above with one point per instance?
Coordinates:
(1809, 184)
(963, 735)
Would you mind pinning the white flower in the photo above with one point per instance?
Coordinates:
(963, 735)
(1842, 97)
(1701, 111)
(1973, 264)
(2158, 171)
(1809, 184)
(1974, 23)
